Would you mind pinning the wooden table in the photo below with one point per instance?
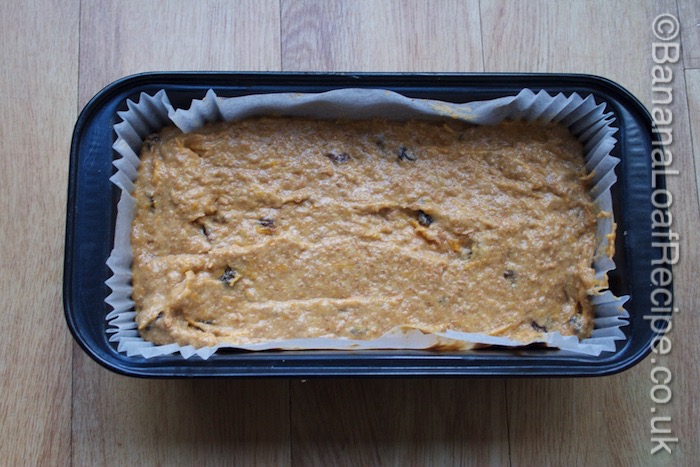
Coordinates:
(58, 407)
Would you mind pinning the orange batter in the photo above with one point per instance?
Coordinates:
(276, 228)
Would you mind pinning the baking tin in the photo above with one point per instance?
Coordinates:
(91, 212)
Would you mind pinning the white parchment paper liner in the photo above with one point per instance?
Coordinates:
(586, 119)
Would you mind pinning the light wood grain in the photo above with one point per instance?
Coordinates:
(692, 80)
(689, 17)
(618, 431)
(395, 35)
(573, 37)
(688, 345)
(683, 360)
(134, 36)
(390, 422)
(39, 56)
(122, 421)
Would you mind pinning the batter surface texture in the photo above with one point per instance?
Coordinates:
(276, 228)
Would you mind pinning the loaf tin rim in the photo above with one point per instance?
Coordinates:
(368, 363)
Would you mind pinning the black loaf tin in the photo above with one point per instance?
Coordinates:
(92, 206)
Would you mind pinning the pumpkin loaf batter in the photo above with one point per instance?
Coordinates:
(275, 228)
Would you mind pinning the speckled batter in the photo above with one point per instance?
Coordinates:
(275, 228)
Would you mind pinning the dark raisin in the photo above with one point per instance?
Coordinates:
(576, 324)
(406, 155)
(341, 158)
(537, 327)
(151, 141)
(424, 219)
(151, 203)
(266, 226)
(266, 222)
(228, 276)
(199, 223)
(160, 315)
(509, 274)
(465, 252)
